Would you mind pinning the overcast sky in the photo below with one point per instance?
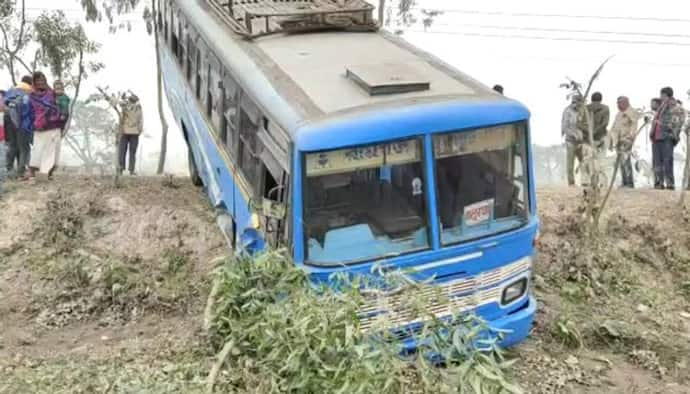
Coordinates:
(486, 40)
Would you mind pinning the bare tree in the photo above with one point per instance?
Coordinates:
(159, 82)
(16, 35)
(64, 47)
(594, 205)
(115, 102)
(686, 170)
(92, 137)
(107, 11)
(548, 163)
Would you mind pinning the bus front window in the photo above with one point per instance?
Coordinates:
(481, 181)
(365, 203)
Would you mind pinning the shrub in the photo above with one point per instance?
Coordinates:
(278, 333)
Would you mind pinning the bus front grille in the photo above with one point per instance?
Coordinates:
(440, 300)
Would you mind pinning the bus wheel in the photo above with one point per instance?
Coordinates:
(193, 172)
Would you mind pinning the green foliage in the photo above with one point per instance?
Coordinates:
(567, 333)
(62, 43)
(685, 290)
(116, 279)
(108, 11)
(16, 36)
(62, 228)
(175, 261)
(69, 374)
(283, 335)
(6, 8)
(75, 273)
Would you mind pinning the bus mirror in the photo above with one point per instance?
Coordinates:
(273, 209)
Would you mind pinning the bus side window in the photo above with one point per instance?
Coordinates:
(247, 146)
(191, 53)
(209, 90)
(166, 17)
(205, 80)
(229, 119)
(173, 36)
(197, 77)
(182, 42)
(201, 72)
(159, 17)
(215, 94)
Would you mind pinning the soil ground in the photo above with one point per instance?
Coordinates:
(102, 290)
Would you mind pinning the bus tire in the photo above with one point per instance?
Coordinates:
(193, 171)
(234, 236)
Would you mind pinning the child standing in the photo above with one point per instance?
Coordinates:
(63, 101)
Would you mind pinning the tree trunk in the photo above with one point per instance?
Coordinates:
(616, 166)
(686, 172)
(76, 92)
(382, 8)
(159, 78)
(10, 69)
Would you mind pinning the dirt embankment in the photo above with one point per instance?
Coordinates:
(614, 312)
(102, 290)
(102, 281)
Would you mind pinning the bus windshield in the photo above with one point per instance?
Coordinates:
(481, 181)
(365, 203)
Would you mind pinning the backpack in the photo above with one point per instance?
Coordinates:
(14, 107)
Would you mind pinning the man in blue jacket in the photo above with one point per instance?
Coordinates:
(19, 119)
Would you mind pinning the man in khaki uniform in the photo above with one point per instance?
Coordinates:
(132, 127)
(623, 134)
(572, 117)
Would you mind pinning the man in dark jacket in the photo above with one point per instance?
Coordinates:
(600, 117)
(664, 135)
(18, 126)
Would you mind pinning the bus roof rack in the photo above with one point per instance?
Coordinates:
(256, 18)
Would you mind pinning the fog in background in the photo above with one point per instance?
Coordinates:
(495, 41)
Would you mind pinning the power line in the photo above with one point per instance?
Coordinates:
(561, 30)
(526, 37)
(538, 15)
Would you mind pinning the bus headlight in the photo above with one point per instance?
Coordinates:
(514, 291)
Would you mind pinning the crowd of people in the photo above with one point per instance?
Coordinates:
(33, 120)
(34, 116)
(665, 123)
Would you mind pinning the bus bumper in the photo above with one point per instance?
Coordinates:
(516, 325)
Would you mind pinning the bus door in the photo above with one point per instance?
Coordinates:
(275, 183)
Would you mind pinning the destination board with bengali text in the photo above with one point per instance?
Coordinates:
(358, 158)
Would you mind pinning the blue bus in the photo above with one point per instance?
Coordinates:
(356, 150)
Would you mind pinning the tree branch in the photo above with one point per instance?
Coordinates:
(74, 146)
(76, 91)
(22, 26)
(23, 64)
(159, 82)
(5, 39)
(106, 96)
(9, 54)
